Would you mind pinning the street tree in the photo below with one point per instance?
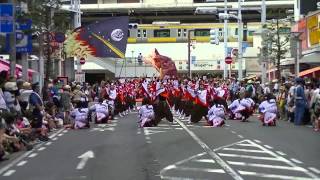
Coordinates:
(44, 22)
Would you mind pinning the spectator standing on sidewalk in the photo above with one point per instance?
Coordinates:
(300, 102)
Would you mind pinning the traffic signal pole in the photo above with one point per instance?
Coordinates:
(13, 53)
(240, 38)
(225, 40)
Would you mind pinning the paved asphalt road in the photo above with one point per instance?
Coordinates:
(122, 151)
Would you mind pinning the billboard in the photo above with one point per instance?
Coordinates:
(313, 30)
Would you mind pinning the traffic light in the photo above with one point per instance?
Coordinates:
(214, 36)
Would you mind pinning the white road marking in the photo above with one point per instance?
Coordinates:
(233, 132)
(139, 132)
(178, 128)
(163, 125)
(244, 150)
(21, 163)
(9, 173)
(148, 132)
(55, 134)
(157, 128)
(48, 143)
(269, 147)
(33, 155)
(147, 137)
(213, 155)
(249, 157)
(178, 178)
(54, 139)
(281, 153)
(65, 131)
(240, 136)
(201, 169)
(84, 159)
(267, 166)
(60, 134)
(287, 162)
(314, 170)
(205, 160)
(249, 145)
(257, 141)
(42, 148)
(18, 159)
(273, 176)
(296, 161)
(149, 142)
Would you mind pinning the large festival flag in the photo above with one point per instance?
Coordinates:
(163, 64)
(106, 38)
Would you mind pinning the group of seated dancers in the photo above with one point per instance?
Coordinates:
(168, 99)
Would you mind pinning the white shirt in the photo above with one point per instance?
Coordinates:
(3, 104)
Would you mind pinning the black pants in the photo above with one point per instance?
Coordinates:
(198, 112)
(162, 110)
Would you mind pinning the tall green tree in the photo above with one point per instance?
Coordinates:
(278, 40)
(45, 20)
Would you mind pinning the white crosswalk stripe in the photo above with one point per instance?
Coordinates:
(248, 158)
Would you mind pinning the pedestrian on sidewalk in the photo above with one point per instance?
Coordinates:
(300, 102)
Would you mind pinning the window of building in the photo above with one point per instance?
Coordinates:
(185, 32)
(202, 32)
(128, 1)
(89, 1)
(161, 33)
(250, 33)
(144, 33)
(236, 32)
(179, 32)
(139, 33)
(128, 33)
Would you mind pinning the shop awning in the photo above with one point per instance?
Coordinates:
(314, 72)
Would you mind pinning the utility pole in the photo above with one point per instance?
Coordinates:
(240, 32)
(75, 5)
(13, 53)
(225, 40)
(263, 43)
(189, 53)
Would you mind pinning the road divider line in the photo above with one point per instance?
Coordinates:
(314, 170)
(257, 141)
(249, 157)
(201, 169)
(272, 176)
(267, 146)
(287, 162)
(267, 166)
(233, 132)
(296, 161)
(281, 153)
(205, 160)
(33, 155)
(9, 173)
(15, 161)
(213, 155)
(21, 163)
(244, 150)
(48, 143)
(240, 136)
(42, 148)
